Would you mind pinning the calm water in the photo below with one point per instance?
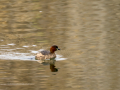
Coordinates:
(86, 32)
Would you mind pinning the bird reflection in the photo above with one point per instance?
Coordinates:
(53, 69)
(50, 62)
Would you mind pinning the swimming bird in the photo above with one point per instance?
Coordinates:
(47, 54)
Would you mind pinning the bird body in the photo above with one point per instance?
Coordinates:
(47, 54)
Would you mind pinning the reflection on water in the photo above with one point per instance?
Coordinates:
(86, 31)
(50, 62)
(53, 69)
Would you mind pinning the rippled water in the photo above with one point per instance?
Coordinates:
(87, 32)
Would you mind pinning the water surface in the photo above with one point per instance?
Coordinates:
(87, 32)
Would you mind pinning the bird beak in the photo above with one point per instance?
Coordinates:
(58, 49)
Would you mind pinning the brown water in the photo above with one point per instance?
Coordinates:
(87, 32)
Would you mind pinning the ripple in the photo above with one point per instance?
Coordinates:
(34, 45)
(17, 56)
(59, 58)
(8, 49)
(3, 45)
(1, 40)
(32, 51)
(19, 48)
(12, 44)
(24, 56)
(25, 46)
